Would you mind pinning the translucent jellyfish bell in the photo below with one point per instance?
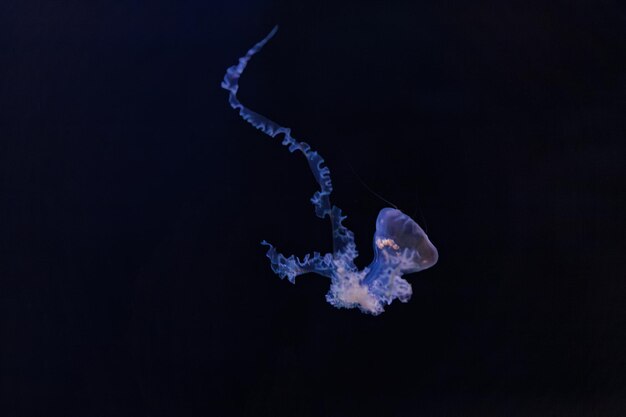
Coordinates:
(399, 236)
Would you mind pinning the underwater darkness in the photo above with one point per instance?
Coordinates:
(133, 201)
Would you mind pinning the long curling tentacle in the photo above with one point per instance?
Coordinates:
(343, 238)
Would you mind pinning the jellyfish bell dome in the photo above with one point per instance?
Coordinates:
(397, 235)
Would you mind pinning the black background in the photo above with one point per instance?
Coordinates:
(133, 200)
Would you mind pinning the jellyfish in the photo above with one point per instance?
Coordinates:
(400, 245)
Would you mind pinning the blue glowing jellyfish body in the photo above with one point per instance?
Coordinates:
(400, 244)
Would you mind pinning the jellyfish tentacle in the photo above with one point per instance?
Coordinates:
(292, 266)
(343, 238)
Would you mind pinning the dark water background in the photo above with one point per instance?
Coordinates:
(133, 200)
